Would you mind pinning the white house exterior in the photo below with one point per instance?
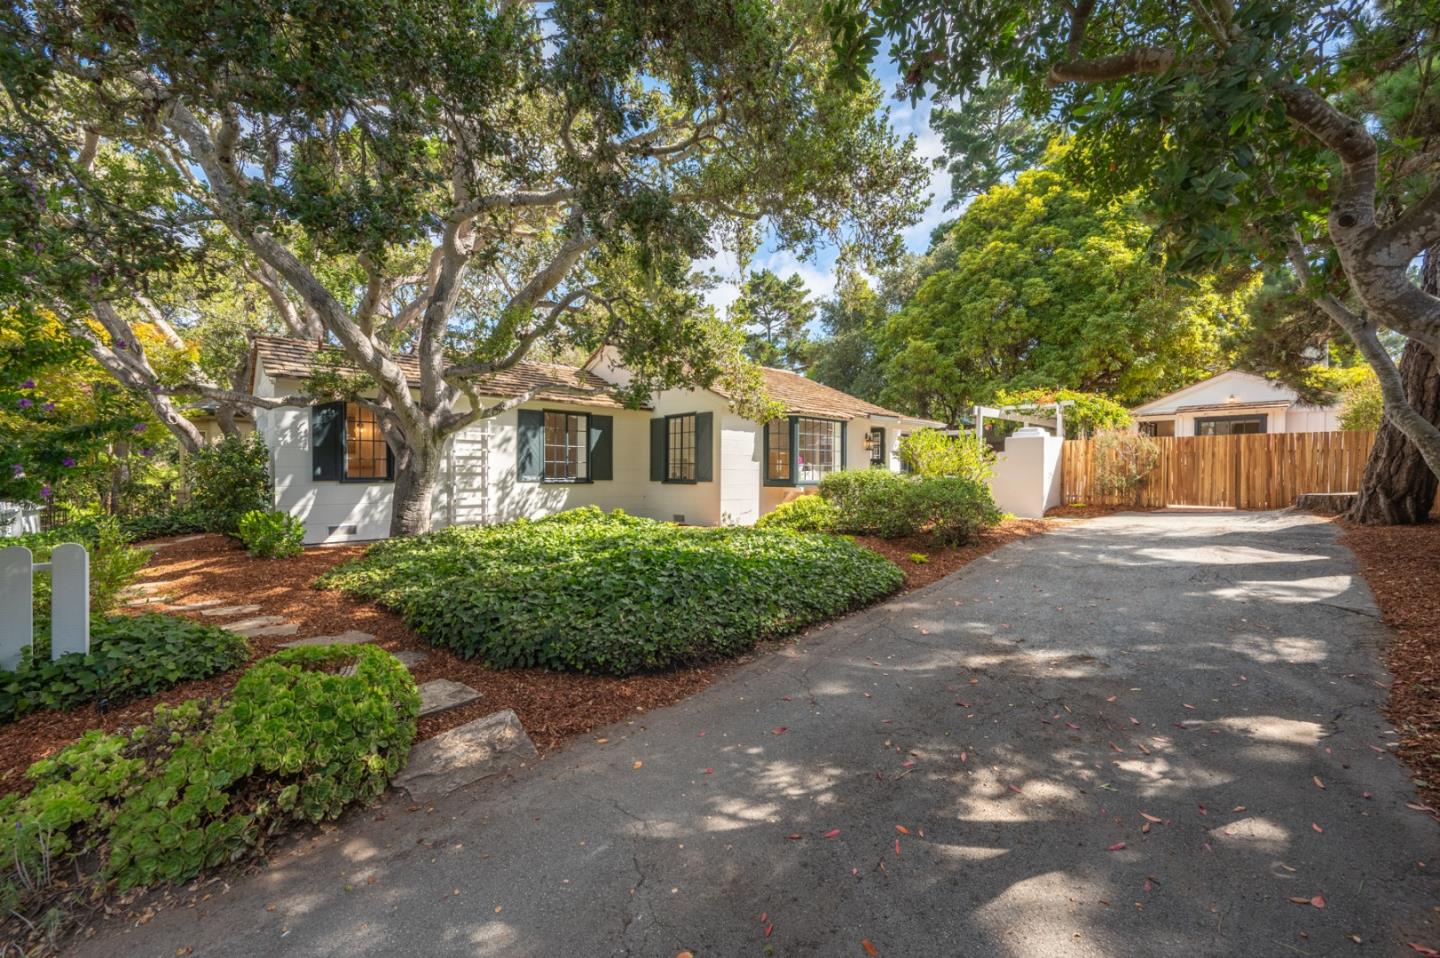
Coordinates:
(685, 457)
(1232, 403)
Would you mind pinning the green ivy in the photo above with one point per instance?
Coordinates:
(174, 522)
(598, 592)
(129, 656)
(207, 781)
(272, 535)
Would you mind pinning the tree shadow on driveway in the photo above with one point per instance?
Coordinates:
(1142, 735)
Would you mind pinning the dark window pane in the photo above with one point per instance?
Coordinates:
(566, 442)
(777, 452)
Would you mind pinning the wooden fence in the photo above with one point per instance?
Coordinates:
(1243, 472)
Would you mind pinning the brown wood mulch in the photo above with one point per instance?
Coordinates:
(553, 706)
(940, 562)
(1402, 566)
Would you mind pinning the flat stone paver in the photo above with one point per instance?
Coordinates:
(348, 637)
(255, 622)
(964, 771)
(437, 695)
(488, 746)
(197, 606)
(410, 659)
(228, 610)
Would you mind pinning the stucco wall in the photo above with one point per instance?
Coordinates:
(479, 479)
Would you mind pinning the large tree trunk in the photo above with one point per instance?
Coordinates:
(1399, 487)
(417, 473)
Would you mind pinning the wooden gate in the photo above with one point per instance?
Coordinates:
(1241, 472)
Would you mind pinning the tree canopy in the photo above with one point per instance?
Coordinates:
(774, 313)
(1258, 132)
(1040, 284)
(458, 179)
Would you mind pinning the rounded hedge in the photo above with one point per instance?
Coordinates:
(598, 592)
(206, 781)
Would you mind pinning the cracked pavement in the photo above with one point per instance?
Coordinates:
(988, 749)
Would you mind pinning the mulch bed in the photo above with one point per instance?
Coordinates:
(941, 562)
(553, 706)
(1402, 566)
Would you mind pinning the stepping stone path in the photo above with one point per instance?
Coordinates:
(229, 610)
(410, 659)
(197, 606)
(437, 695)
(488, 746)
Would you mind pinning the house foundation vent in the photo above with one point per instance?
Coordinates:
(349, 530)
(678, 517)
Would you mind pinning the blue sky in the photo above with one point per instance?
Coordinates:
(818, 272)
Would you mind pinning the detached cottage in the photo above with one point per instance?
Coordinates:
(685, 456)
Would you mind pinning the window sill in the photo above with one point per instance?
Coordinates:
(563, 482)
(361, 482)
(681, 482)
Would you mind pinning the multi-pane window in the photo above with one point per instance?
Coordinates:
(365, 452)
(566, 439)
(680, 448)
(777, 451)
(877, 447)
(817, 448)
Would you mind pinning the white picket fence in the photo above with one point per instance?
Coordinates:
(69, 569)
(18, 518)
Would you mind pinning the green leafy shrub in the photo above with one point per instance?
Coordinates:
(1361, 405)
(873, 502)
(1124, 462)
(271, 534)
(206, 781)
(113, 561)
(953, 509)
(228, 479)
(179, 521)
(806, 514)
(1088, 413)
(613, 593)
(929, 453)
(129, 656)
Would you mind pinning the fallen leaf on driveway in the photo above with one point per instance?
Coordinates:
(638, 764)
(1117, 847)
(1428, 952)
(869, 947)
(1072, 725)
(897, 846)
(778, 730)
(1318, 782)
(1151, 818)
(1317, 828)
(832, 833)
(902, 829)
(1318, 901)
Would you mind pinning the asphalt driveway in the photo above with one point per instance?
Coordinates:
(1139, 735)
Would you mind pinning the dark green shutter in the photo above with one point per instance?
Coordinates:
(844, 434)
(530, 446)
(704, 446)
(327, 440)
(602, 442)
(657, 450)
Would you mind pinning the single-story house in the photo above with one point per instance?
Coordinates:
(1233, 403)
(686, 456)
